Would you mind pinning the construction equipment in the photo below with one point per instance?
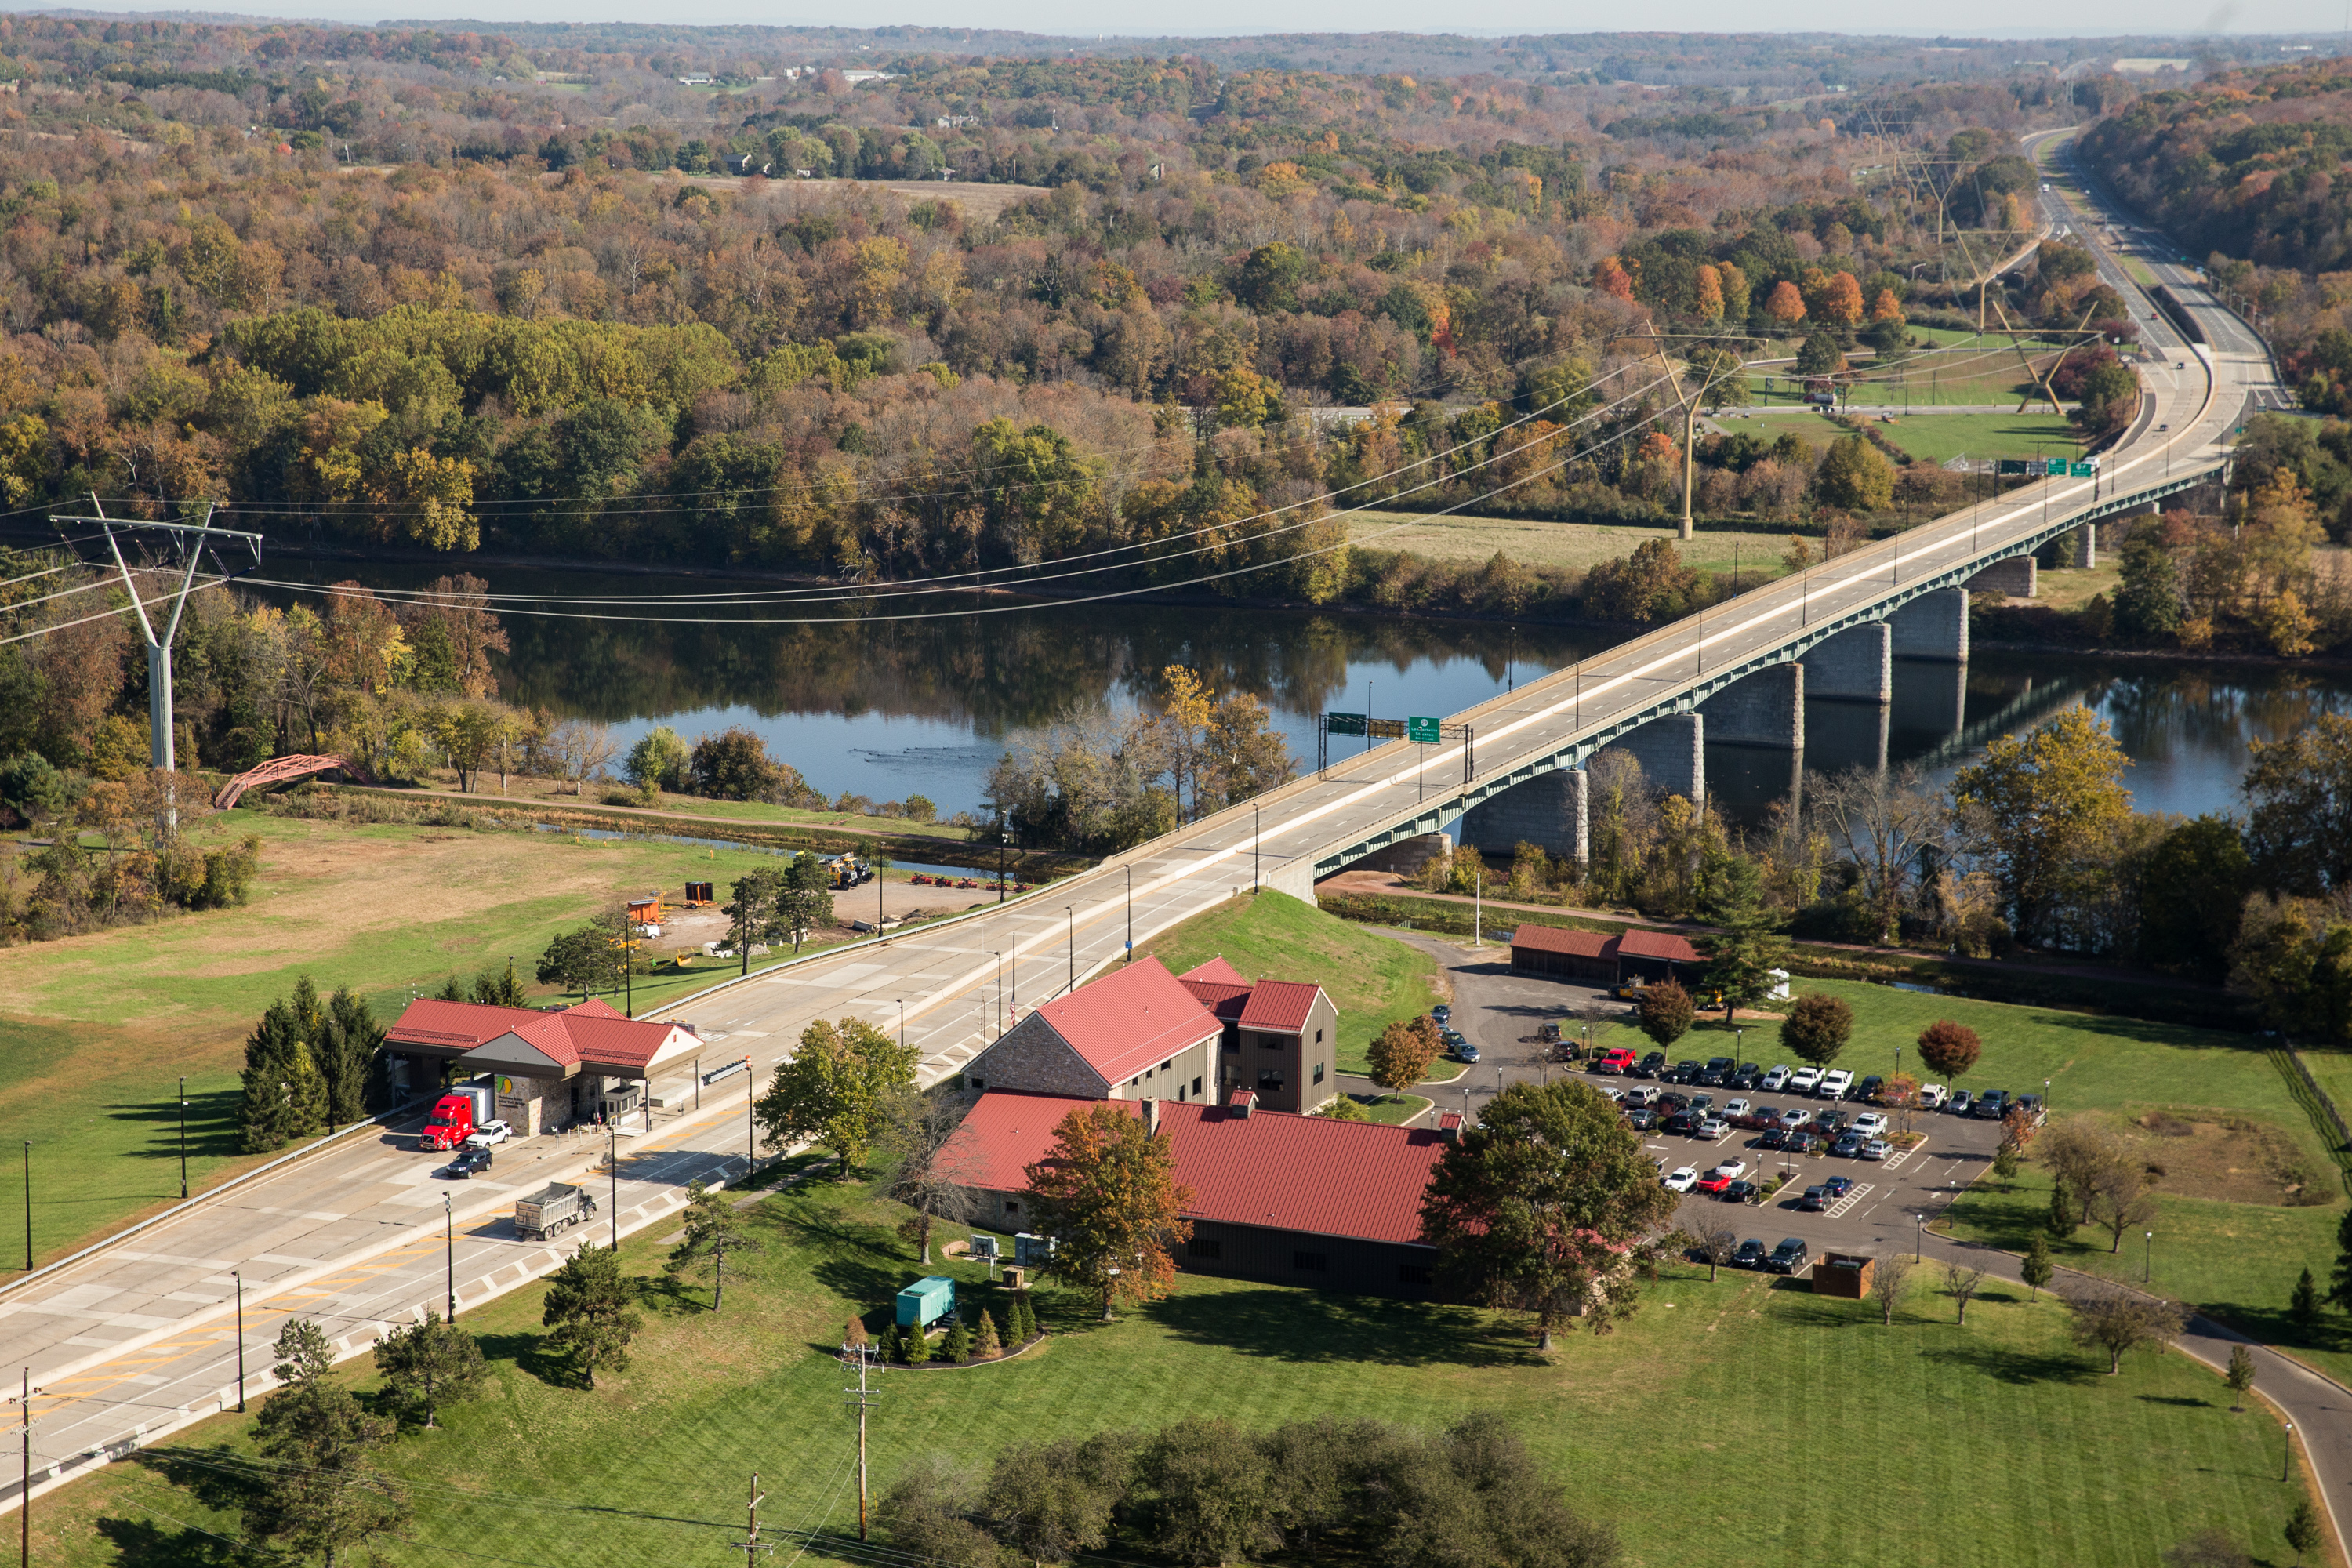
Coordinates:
(698, 896)
(846, 870)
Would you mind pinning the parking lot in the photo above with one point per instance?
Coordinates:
(1501, 1013)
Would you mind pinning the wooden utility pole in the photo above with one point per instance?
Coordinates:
(751, 1544)
(861, 1399)
(25, 1474)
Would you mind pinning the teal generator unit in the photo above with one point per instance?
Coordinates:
(925, 1301)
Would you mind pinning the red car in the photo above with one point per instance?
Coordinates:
(1722, 1176)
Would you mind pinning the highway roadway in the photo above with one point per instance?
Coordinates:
(140, 1339)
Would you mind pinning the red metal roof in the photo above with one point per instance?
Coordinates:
(1215, 972)
(1558, 938)
(1223, 998)
(1656, 944)
(594, 1034)
(1130, 1019)
(1307, 1173)
(1280, 1004)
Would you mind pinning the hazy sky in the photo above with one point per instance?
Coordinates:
(1992, 18)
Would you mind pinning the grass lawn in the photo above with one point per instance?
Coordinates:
(95, 1030)
(556, 792)
(1391, 1110)
(1542, 544)
(1932, 437)
(1680, 1430)
(1371, 980)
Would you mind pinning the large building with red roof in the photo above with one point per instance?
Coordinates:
(550, 1069)
(1556, 952)
(1286, 1199)
(1140, 1031)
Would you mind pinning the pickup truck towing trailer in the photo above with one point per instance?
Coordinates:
(555, 1207)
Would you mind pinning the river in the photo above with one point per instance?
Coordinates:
(891, 709)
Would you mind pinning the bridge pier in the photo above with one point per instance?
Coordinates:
(2086, 546)
(1551, 809)
(1767, 709)
(2013, 577)
(1673, 754)
(1933, 625)
(1855, 666)
(1408, 856)
(1933, 699)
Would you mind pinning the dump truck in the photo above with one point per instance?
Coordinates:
(555, 1207)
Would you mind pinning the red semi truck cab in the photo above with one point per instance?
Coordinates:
(455, 1117)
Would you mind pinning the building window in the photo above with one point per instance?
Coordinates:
(1169, 1063)
(1012, 1205)
(1272, 1042)
(1269, 1081)
(1318, 1036)
(1311, 1262)
(1136, 1080)
(979, 1085)
(1413, 1273)
(1318, 1072)
(1196, 1086)
(1204, 1247)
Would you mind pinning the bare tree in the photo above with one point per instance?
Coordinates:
(935, 1175)
(1961, 1282)
(2078, 1151)
(582, 750)
(1719, 1242)
(1879, 821)
(2118, 1320)
(1887, 1277)
(2119, 1200)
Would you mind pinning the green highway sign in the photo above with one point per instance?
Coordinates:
(1344, 723)
(1386, 729)
(2080, 470)
(1424, 731)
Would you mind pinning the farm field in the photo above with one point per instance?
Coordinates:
(1537, 543)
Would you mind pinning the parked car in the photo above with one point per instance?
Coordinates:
(1712, 1127)
(1634, 1098)
(1751, 1254)
(1670, 1100)
(1739, 1192)
(1775, 1081)
(1959, 1102)
(1617, 1061)
(1716, 1070)
(1816, 1200)
(473, 1157)
(1830, 1124)
(1794, 1119)
(1791, 1254)
(1731, 1170)
(1838, 1185)
(1834, 1083)
(1805, 1081)
(1684, 1071)
(1735, 1111)
(1991, 1105)
(1801, 1140)
(1747, 1075)
(1869, 1088)
(488, 1133)
(1871, 1124)
(1681, 1122)
(1642, 1121)
(1615, 1094)
(1764, 1116)
(1848, 1145)
(1932, 1096)
(2030, 1107)
(1702, 1103)
(1772, 1138)
(1548, 1034)
(1651, 1065)
(1682, 1179)
(1465, 1052)
(1442, 1014)
(1877, 1148)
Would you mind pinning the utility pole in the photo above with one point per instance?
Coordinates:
(183, 1138)
(861, 1399)
(449, 1253)
(752, 1543)
(751, 1103)
(25, 1482)
(238, 1276)
(189, 541)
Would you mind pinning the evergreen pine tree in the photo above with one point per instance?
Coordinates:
(918, 1345)
(264, 1120)
(347, 1050)
(959, 1344)
(1024, 1327)
(2303, 1530)
(2340, 1288)
(988, 1344)
(2304, 1305)
(2036, 1270)
(2061, 1223)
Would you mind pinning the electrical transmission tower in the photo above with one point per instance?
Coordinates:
(188, 543)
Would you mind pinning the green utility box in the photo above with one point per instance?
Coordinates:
(925, 1301)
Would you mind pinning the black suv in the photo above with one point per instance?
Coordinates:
(1751, 1255)
(1716, 1072)
(473, 1157)
(1651, 1066)
(1869, 1088)
(1681, 1121)
(1789, 1257)
(1992, 1105)
(1748, 1077)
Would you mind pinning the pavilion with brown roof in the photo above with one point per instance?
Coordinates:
(1557, 952)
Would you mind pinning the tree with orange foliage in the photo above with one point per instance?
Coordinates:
(1886, 307)
(1106, 1193)
(1708, 297)
(1842, 301)
(1784, 305)
(1609, 277)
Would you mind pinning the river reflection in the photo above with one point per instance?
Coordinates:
(908, 707)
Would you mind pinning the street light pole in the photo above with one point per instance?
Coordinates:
(2286, 1455)
(2148, 1260)
(1070, 919)
(449, 1253)
(1000, 991)
(1255, 883)
(902, 1023)
(183, 1138)
(1004, 842)
(1130, 913)
(240, 1278)
(612, 1168)
(1920, 1247)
